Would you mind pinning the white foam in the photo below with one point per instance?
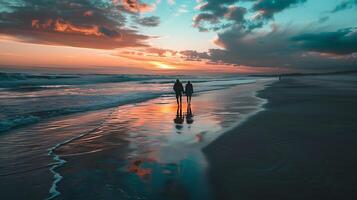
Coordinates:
(59, 161)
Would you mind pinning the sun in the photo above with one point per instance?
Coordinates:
(161, 65)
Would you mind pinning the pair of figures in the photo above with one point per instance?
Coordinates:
(178, 88)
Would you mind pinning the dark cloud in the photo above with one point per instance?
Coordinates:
(235, 13)
(192, 55)
(207, 17)
(267, 8)
(214, 11)
(81, 23)
(284, 48)
(242, 43)
(346, 4)
(242, 48)
(149, 21)
(343, 41)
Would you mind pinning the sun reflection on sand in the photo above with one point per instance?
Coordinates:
(147, 147)
(154, 134)
(135, 167)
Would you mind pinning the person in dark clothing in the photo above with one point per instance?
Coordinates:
(178, 88)
(189, 91)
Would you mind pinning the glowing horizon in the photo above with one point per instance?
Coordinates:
(179, 37)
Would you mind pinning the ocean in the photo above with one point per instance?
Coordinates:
(75, 136)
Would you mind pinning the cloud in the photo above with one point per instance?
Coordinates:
(62, 26)
(244, 44)
(215, 11)
(208, 17)
(160, 52)
(346, 4)
(266, 9)
(151, 51)
(86, 23)
(283, 48)
(148, 21)
(192, 55)
(235, 13)
(342, 42)
(138, 7)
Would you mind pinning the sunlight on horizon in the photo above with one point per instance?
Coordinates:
(161, 65)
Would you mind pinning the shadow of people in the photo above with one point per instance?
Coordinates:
(189, 115)
(179, 117)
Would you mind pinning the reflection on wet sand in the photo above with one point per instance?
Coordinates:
(135, 167)
(141, 143)
(180, 118)
(189, 115)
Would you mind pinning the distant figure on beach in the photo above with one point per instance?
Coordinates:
(189, 91)
(178, 88)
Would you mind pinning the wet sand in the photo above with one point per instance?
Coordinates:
(144, 150)
(303, 146)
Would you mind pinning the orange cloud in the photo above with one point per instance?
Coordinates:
(88, 13)
(178, 64)
(59, 25)
(79, 24)
(61, 32)
(137, 7)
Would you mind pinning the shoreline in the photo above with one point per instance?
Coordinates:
(8, 125)
(293, 146)
(259, 108)
(142, 133)
(154, 159)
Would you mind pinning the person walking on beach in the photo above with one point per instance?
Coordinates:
(178, 88)
(189, 91)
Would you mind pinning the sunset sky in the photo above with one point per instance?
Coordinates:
(179, 37)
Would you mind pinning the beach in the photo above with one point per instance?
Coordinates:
(116, 140)
(302, 146)
(178, 100)
(241, 138)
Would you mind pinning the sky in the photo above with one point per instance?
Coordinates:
(179, 37)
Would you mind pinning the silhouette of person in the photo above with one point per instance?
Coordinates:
(189, 91)
(189, 115)
(178, 88)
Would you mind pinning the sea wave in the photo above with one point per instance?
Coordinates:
(28, 81)
(34, 117)
(30, 98)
